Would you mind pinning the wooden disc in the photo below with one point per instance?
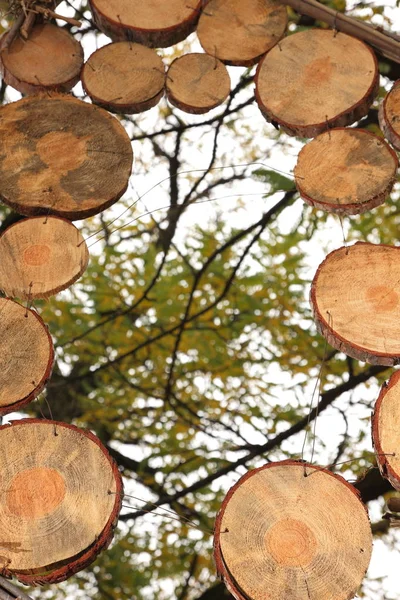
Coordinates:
(51, 58)
(346, 171)
(60, 493)
(239, 33)
(62, 156)
(154, 23)
(389, 115)
(26, 355)
(197, 83)
(40, 257)
(281, 534)
(124, 77)
(355, 297)
(316, 80)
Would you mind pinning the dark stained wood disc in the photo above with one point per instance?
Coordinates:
(315, 80)
(346, 171)
(40, 257)
(61, 156)
(239, 33)
(26, 355)
(124, 77)
(60, 494)
(281, 534)
(197, 83)
(389, 115)
(355, 297)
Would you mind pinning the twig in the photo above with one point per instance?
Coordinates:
(10, 587)
(27, 25)
(47, 12)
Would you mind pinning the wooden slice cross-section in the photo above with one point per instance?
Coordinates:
(239, 33)
(291, 530)
(197, 83)
(61, 156)
(346, 171)
(389, 115)
(124, 77)
(60, 498)
(41, 256)
(26, 355)
(315, 80)
(355, 297)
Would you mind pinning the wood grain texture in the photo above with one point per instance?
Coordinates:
(281, 534)
(315, 80)
(389, 115)
(385, 433)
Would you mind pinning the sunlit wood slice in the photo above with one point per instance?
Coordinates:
(62, 156)
(315, 80)
(60, 498)
(197, 83)
(51, 58)
(346, 171)
(41, 256)
(124, 77)
(26, 355)
(281, 534)
(355, 297)
(153, 23)
(389, 115)
(239, 33)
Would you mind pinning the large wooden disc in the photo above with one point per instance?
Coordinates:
(355, 297)
(389, 115)
(197, 83)
(315, 80)
(26, 355)
(62, 156)
(124, 77)
(51, 58)
(60, 494)
(346, 171)
(239, 33)
(281, 534)
(153, 23)
(386, 432)
(40, 257)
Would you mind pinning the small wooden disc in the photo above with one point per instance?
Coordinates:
(124, 77)
(51, 58)
(355, 297)
(62, 156)
(60, 493)
(40, 257)
(316, 80)
(153, 23)
(281, 534)
(389, 115)
(26, 355)
(197, 83)
(346, 171)
(385, 432)
(239, 33)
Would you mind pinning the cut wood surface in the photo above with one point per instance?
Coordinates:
(26, 355)
(385, 432)
(355, 297)
(60, 498)
(62, 156)
(41, 256)
(346, 171)
(239, 33)
(315, 80)
(51, 58)
(154, 23)
(281, 534)
(124, 77)
(197, 83)
(389, 115)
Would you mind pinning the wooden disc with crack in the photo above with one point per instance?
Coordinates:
(26, 355)
(281, 534)
(316, 80)
(389, 115)
(239, 33)
(62, 156)
(40, 257)
(60, 498)
(355, 297)
(124, 77)
(346, 171)
(197, 83)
